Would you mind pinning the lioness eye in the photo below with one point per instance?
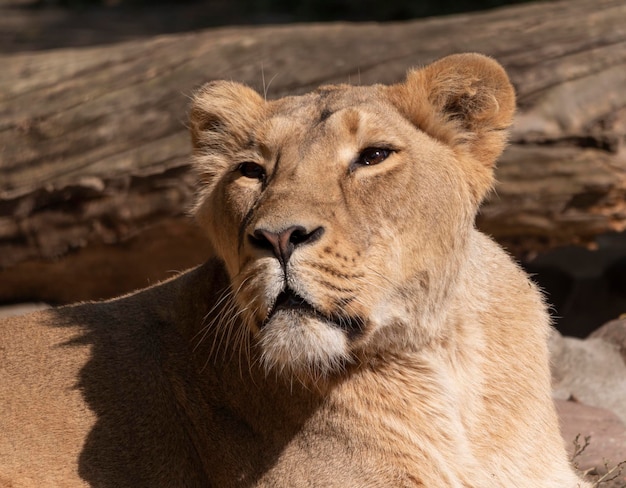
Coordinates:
(251, 170)
(372, 155)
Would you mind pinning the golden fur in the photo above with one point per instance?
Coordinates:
(354, 329)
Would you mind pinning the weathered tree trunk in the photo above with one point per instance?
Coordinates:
(94, 149)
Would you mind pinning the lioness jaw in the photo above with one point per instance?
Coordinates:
(353, 329)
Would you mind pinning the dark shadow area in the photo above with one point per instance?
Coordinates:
(27, 25)
(586, 288)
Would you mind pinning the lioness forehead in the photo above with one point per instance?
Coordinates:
(319, 105)
(328, 111)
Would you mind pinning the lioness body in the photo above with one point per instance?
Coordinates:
(353, 330)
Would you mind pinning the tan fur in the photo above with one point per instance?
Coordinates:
(418, 359)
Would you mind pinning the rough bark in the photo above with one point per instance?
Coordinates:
(94, 149)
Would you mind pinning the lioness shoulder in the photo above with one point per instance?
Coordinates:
(353, 329)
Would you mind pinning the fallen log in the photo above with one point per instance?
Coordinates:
(94, 150)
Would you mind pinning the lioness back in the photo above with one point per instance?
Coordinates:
(353, 329)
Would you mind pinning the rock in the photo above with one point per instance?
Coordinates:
(591, 371)
(607, 437)
(614, 332)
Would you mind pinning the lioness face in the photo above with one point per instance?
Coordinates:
(342, 215)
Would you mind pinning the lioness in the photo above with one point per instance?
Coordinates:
(353, 330)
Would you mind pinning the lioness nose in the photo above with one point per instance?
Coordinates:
(283, 243)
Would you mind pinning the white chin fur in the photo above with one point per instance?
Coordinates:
(303, 346)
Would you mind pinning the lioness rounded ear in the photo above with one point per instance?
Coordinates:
(222, 113)
(469, 101)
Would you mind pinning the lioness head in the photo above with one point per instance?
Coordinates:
(342, 215)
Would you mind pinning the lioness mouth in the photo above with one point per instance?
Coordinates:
(289, 300)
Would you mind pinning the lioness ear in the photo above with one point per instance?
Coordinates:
(470, 103)
(222, 114)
